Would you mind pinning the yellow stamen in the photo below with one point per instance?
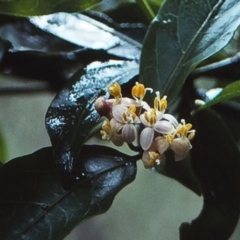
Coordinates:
(138, 91)
(106, 130)
(153, 158)
(130, 115)
(115, 90)
(151, 117)
(160, 104)
(184, 128)
(169, 138)
(132, 109)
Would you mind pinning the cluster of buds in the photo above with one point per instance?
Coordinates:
(161, 131)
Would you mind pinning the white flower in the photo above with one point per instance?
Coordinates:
(111, 131)
(151, 119)
(127, 117)
(178, 141)
(151, 157)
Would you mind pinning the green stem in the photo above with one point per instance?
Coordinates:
(144, 5)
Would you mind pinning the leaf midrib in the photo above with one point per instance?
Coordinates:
(169, 81)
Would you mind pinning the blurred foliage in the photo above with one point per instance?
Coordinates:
(35, 7)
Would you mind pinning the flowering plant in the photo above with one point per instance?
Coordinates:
(125, 116)
(87, 57)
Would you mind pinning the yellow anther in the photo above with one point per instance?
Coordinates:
(115, 90)
(130, 115)
(138, 91)
(106, 126)
(160, 104)
(153, 158)
(132, 109)
(151, 117)
(169, 138)
(106, 130)
(184, 129)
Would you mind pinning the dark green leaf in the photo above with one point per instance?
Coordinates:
(71, 116)
(183, 34)
(4, 47)
(33, 204)
(3, 148)
(216, 162)
(25, 36)
(182, 172)
(230, 91)
(84, 31)
(34, 7)
(38, 54)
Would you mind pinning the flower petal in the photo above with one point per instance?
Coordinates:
(163, 127)
(146, 138)
(180, 146)
(117, 112)
(171, 119)
(162, 144)
(116, 127)
(129, 133)
(144, 121)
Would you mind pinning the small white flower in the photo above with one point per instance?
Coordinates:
(127, 117)
(152, 121)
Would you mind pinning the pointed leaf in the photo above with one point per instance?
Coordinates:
(84, 31)
(34, 205)
(183, 34)
(71, 116)
(35, 7)
(216, 162)
(230, 91)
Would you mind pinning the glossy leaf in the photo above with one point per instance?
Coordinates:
(34, 7)
(230, 91)
(34, 205)
(4, 47)
(40, 52)
(71, 116)
(216, 162)
(183, 34)
(25, 36)
(84, 31)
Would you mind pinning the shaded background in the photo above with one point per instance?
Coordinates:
(152, 207)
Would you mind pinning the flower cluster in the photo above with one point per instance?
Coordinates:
(161, 131)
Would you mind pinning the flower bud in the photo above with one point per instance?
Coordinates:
(102, 106)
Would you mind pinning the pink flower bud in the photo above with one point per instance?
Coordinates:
(102, 107)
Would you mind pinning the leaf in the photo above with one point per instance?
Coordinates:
(216, 162)
(33, 204)
(39, 54)
(34, 7)
(230, 91)
(183, 34)
(84, 31)
(182, 172)
(71, 116)
(3, 148)
(4, 47)
(25, 36)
